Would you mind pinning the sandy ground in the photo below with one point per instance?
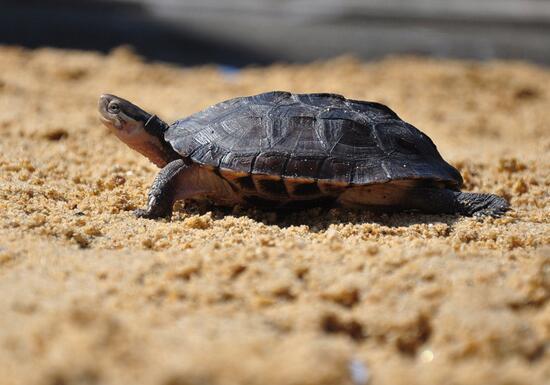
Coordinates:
(92, 295)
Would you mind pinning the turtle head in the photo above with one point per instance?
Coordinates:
(138, 129)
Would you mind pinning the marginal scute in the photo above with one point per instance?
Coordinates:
(331, 187)
(302, 167)
(238, 162)
(270, 186)
(299, 189)
(270, 163)
(241, 181)
(231, 174)
(366, 172)
(244, 183)
(336, 169)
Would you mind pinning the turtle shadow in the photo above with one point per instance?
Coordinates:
(319, 219)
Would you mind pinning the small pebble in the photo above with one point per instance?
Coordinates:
(359, 372)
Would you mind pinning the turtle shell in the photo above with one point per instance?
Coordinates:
(310, 136)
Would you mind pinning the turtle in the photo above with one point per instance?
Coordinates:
(282, 150)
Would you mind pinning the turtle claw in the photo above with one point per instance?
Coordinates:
(494, 211)
(141, 213)
(479, 205)
(496, 207)
(161, 194)
(150, 214)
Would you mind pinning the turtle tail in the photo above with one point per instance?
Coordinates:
(473, 204)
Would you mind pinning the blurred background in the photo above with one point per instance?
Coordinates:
(244, 32)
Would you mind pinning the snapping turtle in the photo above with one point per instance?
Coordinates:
(279, 150)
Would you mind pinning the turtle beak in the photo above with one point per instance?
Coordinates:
(103, 103)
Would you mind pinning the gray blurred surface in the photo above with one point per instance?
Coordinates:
(240, 32)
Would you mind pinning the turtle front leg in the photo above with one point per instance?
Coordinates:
(162, 193)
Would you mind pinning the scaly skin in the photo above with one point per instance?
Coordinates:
(140, 130)
(162, 192)
(441, 200)
(473, 204)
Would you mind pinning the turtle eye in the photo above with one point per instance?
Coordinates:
(114, 107)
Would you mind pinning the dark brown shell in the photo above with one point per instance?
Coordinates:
(310, 136)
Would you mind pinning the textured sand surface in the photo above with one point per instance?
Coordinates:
(92, 295)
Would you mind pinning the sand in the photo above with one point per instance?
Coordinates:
(92, 295)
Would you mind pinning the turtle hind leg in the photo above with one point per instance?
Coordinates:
(163, 192)
(473, 204)
(446, 201)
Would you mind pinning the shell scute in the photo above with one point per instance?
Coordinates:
(375, 111)
(272, 97)
(367, 171)
(241, 162)
(270, 163)
(303, 167)
(211, 154)
(321, 100)
(336, 169)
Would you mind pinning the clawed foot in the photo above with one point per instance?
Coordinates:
(496, 209)
(162, 192)
(154, 210)
(142, 213)
(479, 205)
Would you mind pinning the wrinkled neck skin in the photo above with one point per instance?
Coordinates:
(140, 130)
(156, 128)
(149, 141)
